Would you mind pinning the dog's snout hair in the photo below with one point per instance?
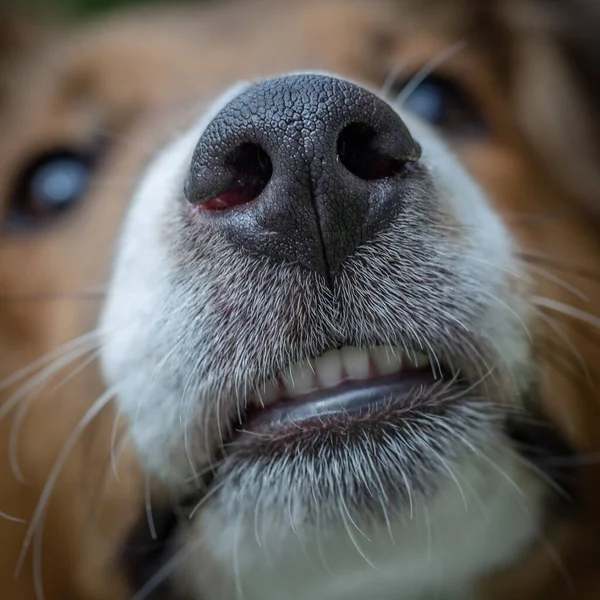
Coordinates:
(313, 286)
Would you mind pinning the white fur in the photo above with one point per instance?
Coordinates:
(437, 553)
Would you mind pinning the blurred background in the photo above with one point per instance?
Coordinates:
(86, 8)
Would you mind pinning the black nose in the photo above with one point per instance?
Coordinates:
(302, 169)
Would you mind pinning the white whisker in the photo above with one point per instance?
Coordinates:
(429, 68)
(390, 81)
(38, 381)
(568, 310)
(37, 560)
(164, 572)
(57, 467)
(558, 280)
(148, 504)
(8, 517)
(19, 419)
(347, 519)
(54, 354)
(114, 452)
(213, 490)
(565, 338)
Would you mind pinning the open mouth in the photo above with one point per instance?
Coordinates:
(349, 417)
(338, 386)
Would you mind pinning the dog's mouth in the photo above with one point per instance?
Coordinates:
(339, 386)
(350, 417)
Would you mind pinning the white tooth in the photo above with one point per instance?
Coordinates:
(356, 362)
(419, 359)
(387, 360)
(268, 393)
(300, 380)
(329, 368)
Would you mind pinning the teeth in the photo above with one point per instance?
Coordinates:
(299, 380)
(336, 366)
(329, 368)
(355, 362)
(387, 360)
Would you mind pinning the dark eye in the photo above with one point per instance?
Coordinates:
(50, 186)
(443, 103)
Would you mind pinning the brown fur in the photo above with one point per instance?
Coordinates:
(529, 65)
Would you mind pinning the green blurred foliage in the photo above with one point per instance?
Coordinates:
(90, 7)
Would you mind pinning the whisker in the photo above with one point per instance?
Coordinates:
(552, 552)
(213, 490)
(390, 80)
(540, 473)
(163, 573)
(511, 272)
(37, 561)
(568, 310)
(559, 281)
(565, 338)
(383, 497)
(148, 504)
(537, 216)
(19, 419)
(552, 261)
(512, 311)
(56, 469)
(10, 518)
(347, 519)
(209, 468)
(116, 449)
(34, 385)
(48, 357)
(493, 464)
(429, 68)
(86, 363)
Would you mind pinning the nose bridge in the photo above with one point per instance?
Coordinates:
(316, 207)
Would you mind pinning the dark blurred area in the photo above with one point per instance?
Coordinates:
(86, 7)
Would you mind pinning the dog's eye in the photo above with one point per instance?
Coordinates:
(48, 187)
(443, 103)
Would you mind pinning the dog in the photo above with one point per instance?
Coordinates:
(299, 301)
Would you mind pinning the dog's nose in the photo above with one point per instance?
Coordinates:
(302, 169)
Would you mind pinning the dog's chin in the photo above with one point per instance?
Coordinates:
(386, 458)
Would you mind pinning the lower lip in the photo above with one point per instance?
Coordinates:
(350, 399)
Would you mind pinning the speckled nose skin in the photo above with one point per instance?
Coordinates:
(336, 165)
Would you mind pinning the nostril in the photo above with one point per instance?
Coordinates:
(358, 151)
(251, 170)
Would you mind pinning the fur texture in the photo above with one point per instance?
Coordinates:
(490, 269)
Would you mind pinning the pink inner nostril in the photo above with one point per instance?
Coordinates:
(229, 200)
(251, 170)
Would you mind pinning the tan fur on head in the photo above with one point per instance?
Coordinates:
(123, 88)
